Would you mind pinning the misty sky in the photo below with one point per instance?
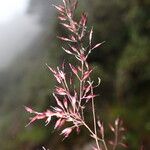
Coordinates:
(10, 8)
(17, 29)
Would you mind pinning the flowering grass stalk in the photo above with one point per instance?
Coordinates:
(70, 101)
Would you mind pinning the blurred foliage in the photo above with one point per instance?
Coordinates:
(124, 25)
(122, 62)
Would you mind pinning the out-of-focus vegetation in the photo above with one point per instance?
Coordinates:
(123, 63)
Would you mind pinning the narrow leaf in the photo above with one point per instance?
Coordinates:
(90, 36)
(67, 51)
(97, 45)
(65, 39)
(74, 70)
(53, 71)
(58, 102)
(59, 8)
(86, 74)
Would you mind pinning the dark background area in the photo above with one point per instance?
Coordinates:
(122, 63)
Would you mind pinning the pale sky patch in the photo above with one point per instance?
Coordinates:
(10, 8)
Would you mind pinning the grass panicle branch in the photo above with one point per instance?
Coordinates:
(71, 103)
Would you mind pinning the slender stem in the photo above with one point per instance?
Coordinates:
(104, 143)
(65, 85)
(88, 128)
(93, 134)
(81, 85)
(82, 113)
(94, 120)
(116, 138)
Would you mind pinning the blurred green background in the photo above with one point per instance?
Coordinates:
(122, 62)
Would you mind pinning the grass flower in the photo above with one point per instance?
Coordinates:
(71, 103)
